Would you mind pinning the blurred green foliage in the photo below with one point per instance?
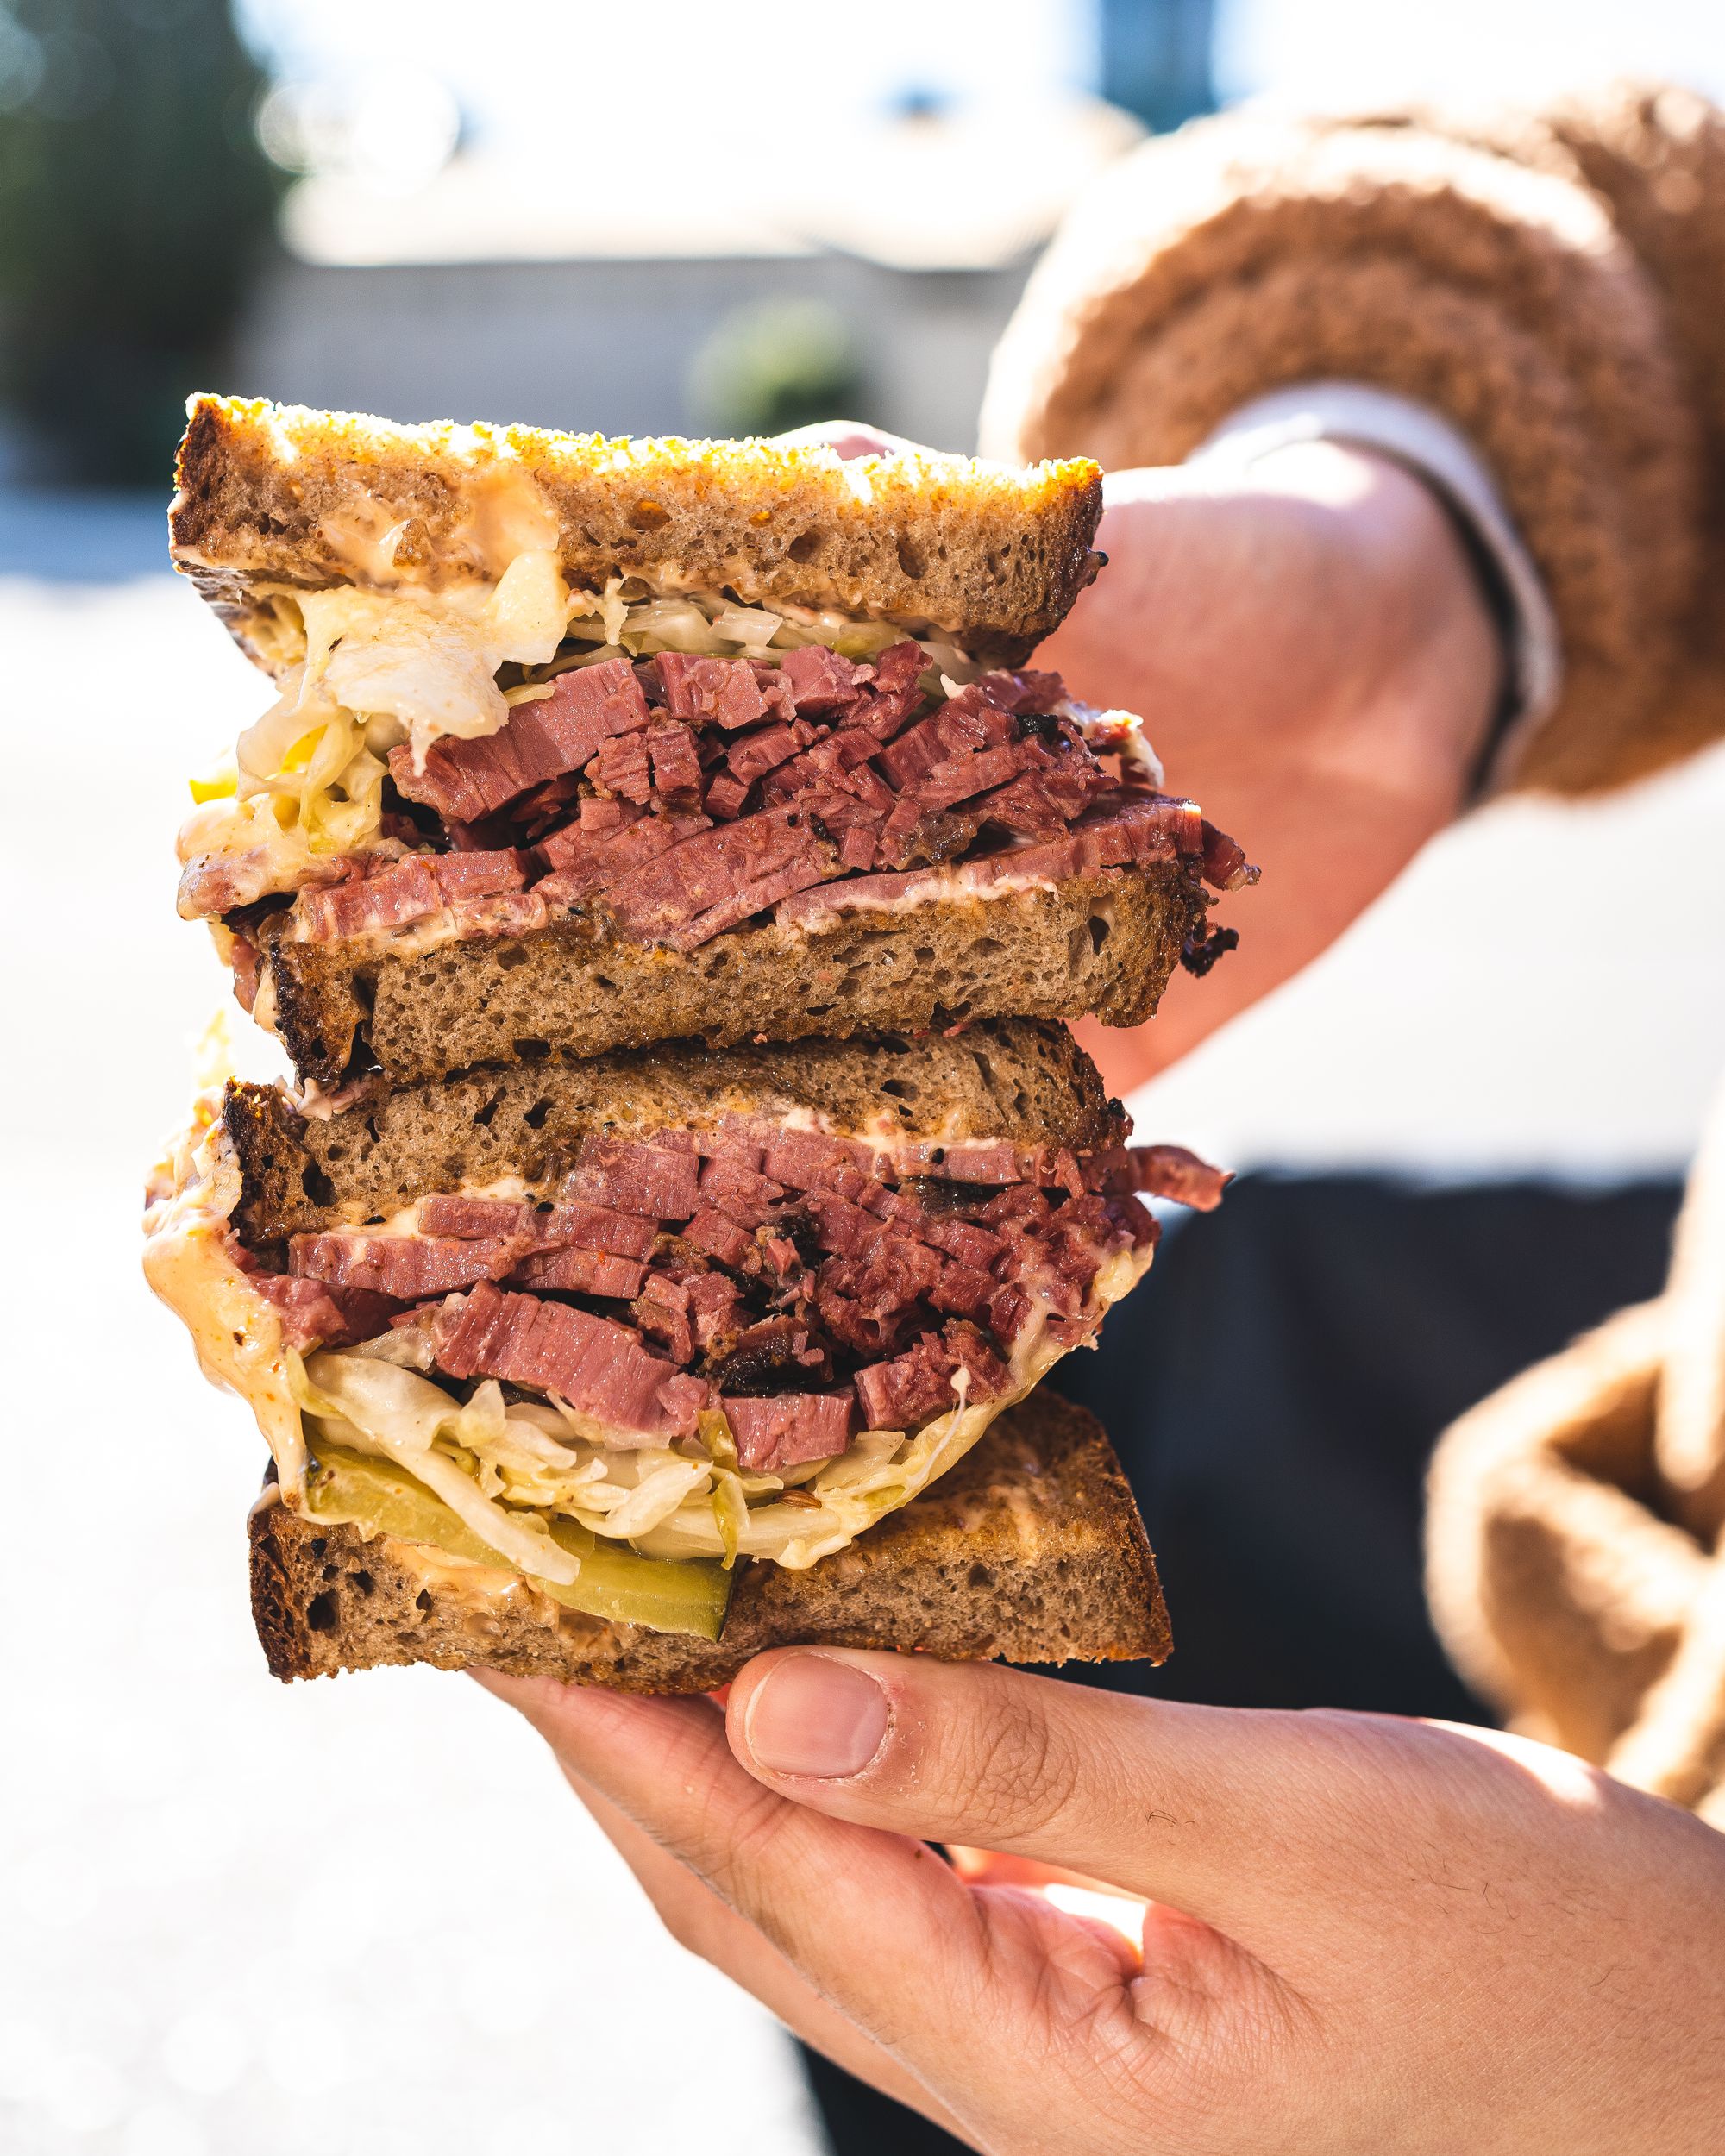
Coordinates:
(134, 202)
(779, 364)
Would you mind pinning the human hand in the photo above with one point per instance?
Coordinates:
(850, 438)
(1309, 649)
(1363, 1934)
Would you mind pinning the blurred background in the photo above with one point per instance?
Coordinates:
(366, 1916)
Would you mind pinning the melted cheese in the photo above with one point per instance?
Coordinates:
(235, 1333)
(507, 516)
(364, 538)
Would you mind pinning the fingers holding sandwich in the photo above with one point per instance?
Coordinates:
(809, 1885)
(850, 438)
(882, 1934)
(708, 1926)
(1325, 1891)
(1175, 1803)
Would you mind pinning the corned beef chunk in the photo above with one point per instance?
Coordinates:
(713, 1235)
(822, 680)
(634, 1176)
(1166, 1171)
(389, 893)
(542, 1227)
(676, 768)
(581, 1272)
(623, 769)
(318, 1314)
(584, 863)
(401, 1266)
(722, 691)
(662, 1312)
(790, 1428)
(899, 1395)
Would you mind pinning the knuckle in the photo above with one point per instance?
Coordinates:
(743, 1846)
(1013, 1775)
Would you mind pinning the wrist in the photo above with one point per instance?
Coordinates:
(1423, 442)
(1445, 682)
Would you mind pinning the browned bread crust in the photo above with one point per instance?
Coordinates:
(992, 553)
(1030, 1550)
(1105, 943)
(1021, 1079)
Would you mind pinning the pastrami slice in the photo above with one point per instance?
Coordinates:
(599, 1366)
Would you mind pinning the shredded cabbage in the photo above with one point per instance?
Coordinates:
(372, 1406)
(508, 1468)
(378, 668)
(708, 623)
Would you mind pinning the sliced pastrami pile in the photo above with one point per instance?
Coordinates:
(806, 1284)
(677, 797)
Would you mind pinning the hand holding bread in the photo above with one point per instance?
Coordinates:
(1356, 1933)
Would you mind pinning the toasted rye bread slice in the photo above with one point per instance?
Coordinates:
(993, 554)
(1105, 943)
(1019, 1080)
(1031, 1550)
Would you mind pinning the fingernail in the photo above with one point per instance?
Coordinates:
(810, 1716)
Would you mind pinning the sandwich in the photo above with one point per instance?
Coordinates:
(580, 745)
(668, 881)
(622, 1368)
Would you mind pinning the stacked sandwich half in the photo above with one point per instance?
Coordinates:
(668, 883)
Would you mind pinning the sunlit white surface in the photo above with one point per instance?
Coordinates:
(236, 1918)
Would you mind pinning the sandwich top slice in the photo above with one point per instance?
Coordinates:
(582, 744)
(609, 1326)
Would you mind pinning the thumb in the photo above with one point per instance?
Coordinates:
(850, 438)
(1224, 1814)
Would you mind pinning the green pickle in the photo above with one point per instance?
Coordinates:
(615, 1583)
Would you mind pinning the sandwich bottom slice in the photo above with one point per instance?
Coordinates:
(630, 1331)
(1030, 1550)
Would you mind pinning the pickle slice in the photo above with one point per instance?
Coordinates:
(666, 1595)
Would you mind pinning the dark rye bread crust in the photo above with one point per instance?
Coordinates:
(1106, 944)
(1031, 1550)
(1016, 1079)
(992, 553)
